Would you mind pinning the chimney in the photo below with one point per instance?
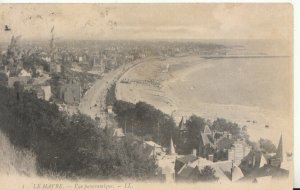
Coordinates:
(194, 152)
(253, 160)
(231, 170)
(211, 157)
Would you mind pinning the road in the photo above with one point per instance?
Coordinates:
(93, 101)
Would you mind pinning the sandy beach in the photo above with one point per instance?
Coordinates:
(251, 92)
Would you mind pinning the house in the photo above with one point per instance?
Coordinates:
(118, 133)
(41, 91)
(151, 149)
(70, 93)
(225, 171)
(183, 161)
(24, 73)
(110, 110)
(239, 150)
(265, 166)
(47, 92)
(166, 167)
(54, 67)
(268, 171)
(23, 80)
(39, 69)
(166, 162)
(5, 71)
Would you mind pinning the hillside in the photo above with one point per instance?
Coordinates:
(67, 146)
(14, 161)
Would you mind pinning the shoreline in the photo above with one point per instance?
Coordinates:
(175, 105)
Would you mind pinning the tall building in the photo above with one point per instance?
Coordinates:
(238, 151)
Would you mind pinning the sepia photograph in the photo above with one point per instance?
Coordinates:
(146, 96)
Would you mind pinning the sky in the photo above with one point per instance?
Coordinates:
(147, 21)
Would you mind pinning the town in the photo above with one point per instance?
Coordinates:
(64, 73)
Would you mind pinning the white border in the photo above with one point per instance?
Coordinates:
(296, 5)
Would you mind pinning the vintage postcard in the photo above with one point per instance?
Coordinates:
(146, 96)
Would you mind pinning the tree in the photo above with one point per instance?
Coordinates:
(145, 120)
(266, 146)
(207, 174)
(194, 126)
(71, 146)
(223, 125)
(207, 150)
(132, 163)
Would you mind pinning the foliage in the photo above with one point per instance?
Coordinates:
(207, 174)
(222, 125)
(146, 121)
(195, 125)
(266, 146)
(207, 150)
(110, 98)
(67, 146)
(34, 59)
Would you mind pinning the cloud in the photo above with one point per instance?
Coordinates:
(131, 21)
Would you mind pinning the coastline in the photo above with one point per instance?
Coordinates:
(175, 102)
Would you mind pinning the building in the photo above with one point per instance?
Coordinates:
(188, 168)
(54, 67)
(166, 167)
(22, 80)
(47, 92)
(265, 167)
(41, 91)
(110, 110)
(238, 151)
(277, 159)
(70, 93)
(39, 70)
(151, 149)
(24, 73)
(118, 133)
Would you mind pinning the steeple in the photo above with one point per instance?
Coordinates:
(52, 43)
(182, 126)
(171, 148)
(279, 149)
